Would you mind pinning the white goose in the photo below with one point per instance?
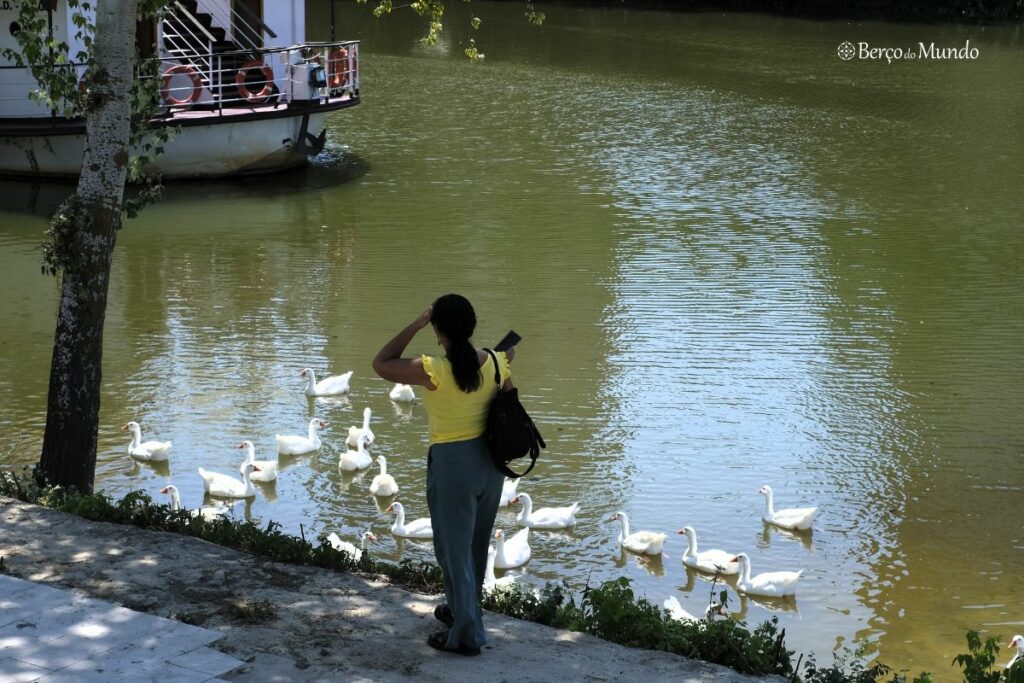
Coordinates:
(514, 552)
(402, 393)
(266, 470)
(1017, 642)
(223, 486)
(770, 584)
(491, 582)
(208, 512)
(711, 561)
(148, 451)
(790, 518)
(354, 432)
(676, 610)
(417, 528)
(643, 542)
(344, 546)
(328, 386)
(358, 459)
(288, 444)
(544, 518)
(383, 484)
(508, 491)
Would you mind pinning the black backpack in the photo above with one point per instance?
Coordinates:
(510, 433)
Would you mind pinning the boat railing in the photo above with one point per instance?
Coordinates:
(185, 38)
(223, 82)
(226, 83)
(242, 19)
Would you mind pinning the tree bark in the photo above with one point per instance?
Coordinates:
(73, 404)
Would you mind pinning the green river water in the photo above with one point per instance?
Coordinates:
(734, 259)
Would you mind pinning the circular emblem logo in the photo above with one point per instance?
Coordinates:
(846, 51)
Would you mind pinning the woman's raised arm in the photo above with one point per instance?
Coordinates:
(389, 363)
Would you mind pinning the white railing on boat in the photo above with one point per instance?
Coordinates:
(313, 72)
(224, 82)
(203, 69)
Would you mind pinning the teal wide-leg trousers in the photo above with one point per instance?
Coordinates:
(463, 492)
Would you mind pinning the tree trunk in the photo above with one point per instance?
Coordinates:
(73, 404)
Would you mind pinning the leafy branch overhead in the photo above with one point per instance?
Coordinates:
(433, 10)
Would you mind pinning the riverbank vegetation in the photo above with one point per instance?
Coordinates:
(973, 11)
(610, 611)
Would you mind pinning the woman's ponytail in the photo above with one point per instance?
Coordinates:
(465, 364)
(454, 317)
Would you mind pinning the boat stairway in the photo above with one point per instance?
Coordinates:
(190, 37)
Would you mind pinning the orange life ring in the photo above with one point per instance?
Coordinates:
(268, 82)
(186, 70)
(340, 67)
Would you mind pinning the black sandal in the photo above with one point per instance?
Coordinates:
(439, 639)
(443, 613)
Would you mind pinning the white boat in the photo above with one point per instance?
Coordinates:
(241, 88)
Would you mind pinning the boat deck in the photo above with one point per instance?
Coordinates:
(183, 116)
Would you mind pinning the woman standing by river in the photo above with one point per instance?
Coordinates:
(463, 485)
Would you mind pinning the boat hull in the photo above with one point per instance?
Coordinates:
(209, 146)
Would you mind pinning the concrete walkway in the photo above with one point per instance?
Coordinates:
(51, 635)
(320, 625)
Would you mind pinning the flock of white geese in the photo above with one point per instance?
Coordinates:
(507, 552)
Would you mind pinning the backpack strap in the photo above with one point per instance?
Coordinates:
(497, 368)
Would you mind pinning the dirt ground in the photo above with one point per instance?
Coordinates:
(304, 623)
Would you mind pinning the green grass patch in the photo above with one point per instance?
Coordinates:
(611, 611)
(252, 611)
(193, 618)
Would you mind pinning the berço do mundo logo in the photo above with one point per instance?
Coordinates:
(848, 51)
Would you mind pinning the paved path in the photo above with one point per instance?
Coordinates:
(51, 635)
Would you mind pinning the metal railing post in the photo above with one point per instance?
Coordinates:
(220, 84)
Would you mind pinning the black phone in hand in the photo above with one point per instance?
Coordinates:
(508, 341)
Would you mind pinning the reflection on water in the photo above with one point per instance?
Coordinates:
(774, 605)
(653, 565)
(770, 532)
(733, 261)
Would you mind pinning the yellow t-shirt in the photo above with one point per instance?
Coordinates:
(453, 414)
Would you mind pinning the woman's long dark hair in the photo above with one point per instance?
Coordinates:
(454, 317)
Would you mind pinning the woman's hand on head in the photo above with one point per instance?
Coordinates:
(424, 318)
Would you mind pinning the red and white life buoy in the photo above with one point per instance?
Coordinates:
(184, 70)
(268, 82)
(339, 67)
